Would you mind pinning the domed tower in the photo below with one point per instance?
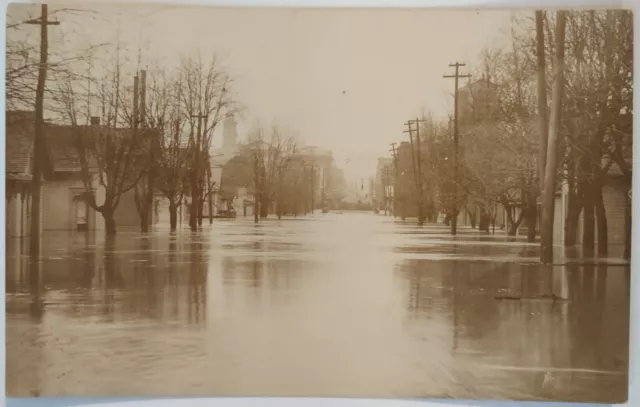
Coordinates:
(229, 133)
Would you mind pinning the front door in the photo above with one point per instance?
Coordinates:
(81, 214)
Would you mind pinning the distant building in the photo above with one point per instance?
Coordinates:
(383, 197)
(219, 158)
(477, 102)
(359, 192)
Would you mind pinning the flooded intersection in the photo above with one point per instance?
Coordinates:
(352, 305)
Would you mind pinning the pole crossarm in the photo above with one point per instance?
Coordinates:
(456, 76)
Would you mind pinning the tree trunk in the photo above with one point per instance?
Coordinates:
(509, 211)
(485, 221)
(588, 221)
(627, 228)
(454, 221)
(264, 208)
(256, 208)
(532, 218)
(173, 216)
(200, 211)
(193, 212)
(514, 225)
(601, 219)
(548, 201)
(279, 208)
(472, 217)
(144, 220)
(109, 222)
(493, 221)
(210, 209)
(574, 208)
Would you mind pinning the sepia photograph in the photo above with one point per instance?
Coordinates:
(409, 203)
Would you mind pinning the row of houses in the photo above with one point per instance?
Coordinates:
(395, 189)
(64, 204)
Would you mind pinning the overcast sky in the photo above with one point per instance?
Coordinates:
(346, 79)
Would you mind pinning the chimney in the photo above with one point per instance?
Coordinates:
(134, 121)
(143, 93)
(95, 121)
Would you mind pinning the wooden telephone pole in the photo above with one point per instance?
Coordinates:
(456, 77)
(396, 179)
(196, 216)
(38, 139)
(387, 191)
(416, 157)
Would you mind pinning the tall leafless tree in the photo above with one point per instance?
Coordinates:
(206, 100)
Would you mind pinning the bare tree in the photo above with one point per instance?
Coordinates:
(206, 100)
(109, 151)
(272, 154)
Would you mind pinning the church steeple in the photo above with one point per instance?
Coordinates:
(229, 133)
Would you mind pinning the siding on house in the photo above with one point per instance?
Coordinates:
(614, 195)
(558, 221)
(126, 213)
(58, 204)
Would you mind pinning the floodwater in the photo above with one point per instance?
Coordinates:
(340, 305)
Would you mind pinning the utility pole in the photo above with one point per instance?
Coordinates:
(419, 162)
(548, 192)
(322, 192)
(312, 174)
(195, 177)
(417, 166)
(256, 195)
(389, 194)
(384, 190)
(38, 139)
(456, 77)
(396, 179)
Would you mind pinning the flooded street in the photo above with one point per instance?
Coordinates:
(340, 305)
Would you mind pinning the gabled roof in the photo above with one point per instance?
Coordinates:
(60, 144)
(61, 141)
(19, 142)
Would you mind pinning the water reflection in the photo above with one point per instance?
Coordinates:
(571, 347)
(335, 307)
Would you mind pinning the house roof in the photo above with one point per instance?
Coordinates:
(60, 143)
(62, 148)
(19, 142)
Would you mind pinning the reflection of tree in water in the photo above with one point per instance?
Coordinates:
(88, 251)
(83, 268)
(112, 279)
(256, 271)
(229, 265)
(36, 307)
(600, 317)
(172, 275)
(415, 277)
(473, 287)
(144, 293)
(197, 282)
